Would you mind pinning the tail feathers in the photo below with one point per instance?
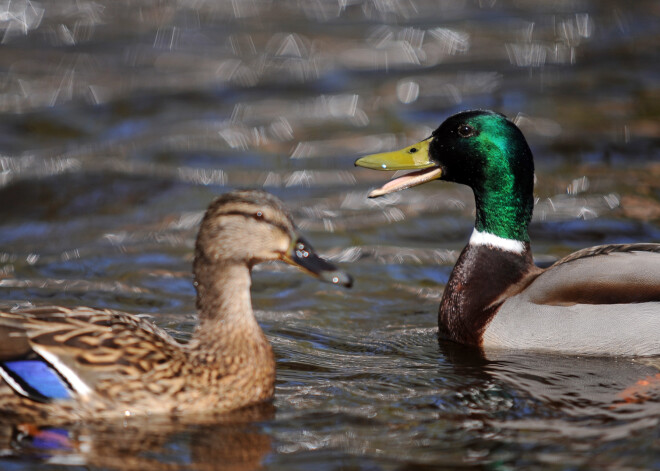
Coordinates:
(35, 379)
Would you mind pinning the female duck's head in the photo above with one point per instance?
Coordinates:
(244, 228)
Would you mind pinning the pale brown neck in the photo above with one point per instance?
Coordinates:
(227, 326)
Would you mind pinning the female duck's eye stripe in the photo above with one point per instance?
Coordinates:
(258, 216)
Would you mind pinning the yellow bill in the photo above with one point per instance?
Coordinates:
(409, 158)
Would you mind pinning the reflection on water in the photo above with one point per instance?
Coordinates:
(138, 444)
(121, 121)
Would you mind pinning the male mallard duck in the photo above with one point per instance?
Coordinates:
(80, 363)
(602, 300)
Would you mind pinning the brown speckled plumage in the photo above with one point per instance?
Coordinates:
(123, 364)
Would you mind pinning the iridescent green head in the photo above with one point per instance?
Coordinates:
(481, 149)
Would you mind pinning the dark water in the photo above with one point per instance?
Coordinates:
(121, 121)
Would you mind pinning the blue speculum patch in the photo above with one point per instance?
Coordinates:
(38, 376)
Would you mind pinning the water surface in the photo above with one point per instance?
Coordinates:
(122, 120)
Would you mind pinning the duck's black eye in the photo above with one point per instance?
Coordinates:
(465, 130)
(413, 150)
(258, 215)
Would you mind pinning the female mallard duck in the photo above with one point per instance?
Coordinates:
(602, 300)
(81, 363)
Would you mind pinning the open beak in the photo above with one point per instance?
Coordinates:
(303, 256)
(415, 157)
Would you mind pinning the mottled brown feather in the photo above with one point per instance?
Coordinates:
(133, 367)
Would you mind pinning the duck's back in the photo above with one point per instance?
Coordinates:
(601, 301)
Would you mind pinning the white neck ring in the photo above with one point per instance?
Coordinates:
(491, 240)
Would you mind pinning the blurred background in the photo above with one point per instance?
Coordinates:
(121, 120)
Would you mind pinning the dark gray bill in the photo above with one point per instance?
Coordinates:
(303, 256)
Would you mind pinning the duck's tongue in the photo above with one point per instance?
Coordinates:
(407, 181)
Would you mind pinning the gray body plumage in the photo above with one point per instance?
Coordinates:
(568, 308)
